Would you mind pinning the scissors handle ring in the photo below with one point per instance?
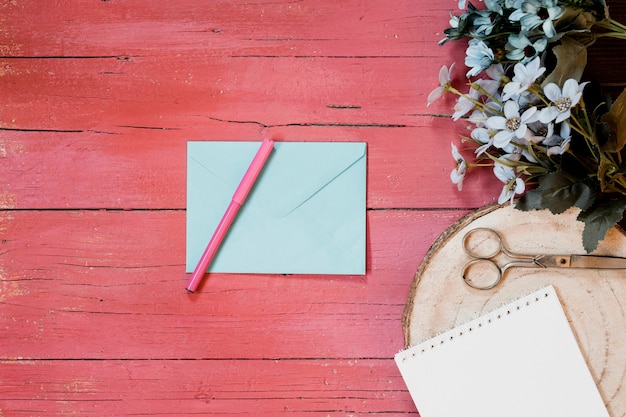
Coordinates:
(492, 234)
(490, 284)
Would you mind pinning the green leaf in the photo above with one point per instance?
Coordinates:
(598, 219)
(558, 191)
(571, 59)
(616, 121)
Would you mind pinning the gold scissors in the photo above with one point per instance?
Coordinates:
(484, 245)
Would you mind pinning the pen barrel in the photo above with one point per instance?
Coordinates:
(213, 246)
(238, 198)
(253, 171)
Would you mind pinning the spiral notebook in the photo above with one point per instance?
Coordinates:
(520, 360)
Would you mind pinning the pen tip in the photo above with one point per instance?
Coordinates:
(189, 291)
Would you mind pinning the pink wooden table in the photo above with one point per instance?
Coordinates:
(98, 100)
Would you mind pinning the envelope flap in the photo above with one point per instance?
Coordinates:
(295, 174)
(222, 163)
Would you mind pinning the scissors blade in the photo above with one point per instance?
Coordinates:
(597, 262)
(580, 261)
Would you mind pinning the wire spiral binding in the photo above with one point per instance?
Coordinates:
(476, 324)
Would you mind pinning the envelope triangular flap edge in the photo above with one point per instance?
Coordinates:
(289, 192)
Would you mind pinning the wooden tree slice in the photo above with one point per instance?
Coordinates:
(594, 300)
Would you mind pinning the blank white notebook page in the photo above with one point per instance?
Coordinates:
(520, 360)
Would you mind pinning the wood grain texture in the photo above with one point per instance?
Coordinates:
(591, 298)
(72, 274)
(145, 168)
(210, 388)
(98, 101)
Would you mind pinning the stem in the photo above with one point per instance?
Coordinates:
(477, 103)
(615, 35)
(480, 89)
(617, 24)
(615, 28)
(586, 130)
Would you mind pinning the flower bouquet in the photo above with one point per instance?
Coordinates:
(553, 139)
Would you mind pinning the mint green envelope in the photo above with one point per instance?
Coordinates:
(304, 215)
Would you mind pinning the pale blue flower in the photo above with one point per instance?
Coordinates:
(562, 102)
(535, 13)
(478, 57)
(484, 21)
(523, 49)
(525, 75)
(495, 6)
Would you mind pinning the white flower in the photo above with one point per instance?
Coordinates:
(484, 136)
(489, 87)
(511, 189)
(458, 173)
(513, 185)
(562, 102)
(465, 103)
(478, 57)
(444, 82)
(495, 72)
(512, 124)
(525, 76)
(479, 117)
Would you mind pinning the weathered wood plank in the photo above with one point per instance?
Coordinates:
(102, 284)
(110, 95)
(226, 28)
(140, 168)
(322, 387)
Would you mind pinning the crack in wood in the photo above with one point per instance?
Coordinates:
(149, 127)
(340, 106)
(328, 124)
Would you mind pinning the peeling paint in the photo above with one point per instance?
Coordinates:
(5, 218)
(6, 68)
(9, 289)
(10, 148)
(7, 47)
(7, 200)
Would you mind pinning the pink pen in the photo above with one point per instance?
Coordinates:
(238, 198)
